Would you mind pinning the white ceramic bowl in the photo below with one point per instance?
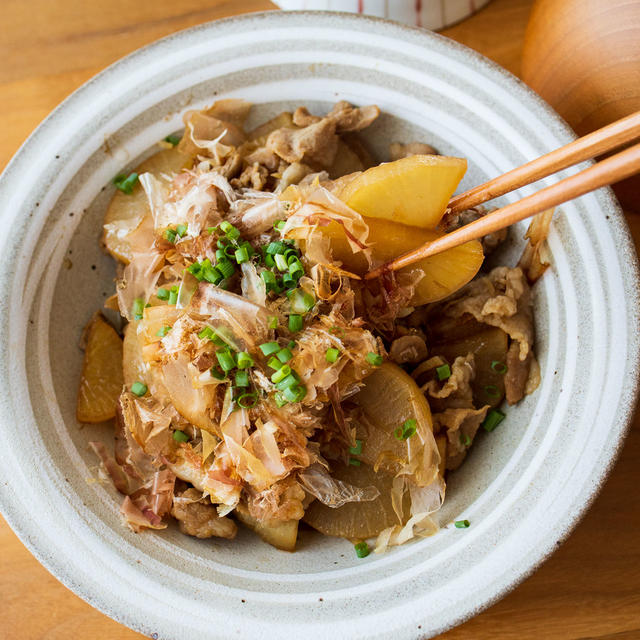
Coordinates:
(523, 487)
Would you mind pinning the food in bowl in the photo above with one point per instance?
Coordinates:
(261, 379)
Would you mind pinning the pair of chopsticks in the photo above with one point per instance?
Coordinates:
(612, 169)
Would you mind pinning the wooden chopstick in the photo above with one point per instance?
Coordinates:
(615, 168)
(593, 144)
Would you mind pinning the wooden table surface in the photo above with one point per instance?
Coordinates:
(589, 589)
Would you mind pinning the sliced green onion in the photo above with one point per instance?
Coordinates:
(173, 296)
(295, 323)
(276, 247)
(230, 252)
(229, 230)
(288, 281)
(241, 255)
(274, 363)
(354, 463)
(332, 354)
(173, 139)
(226, 268)
(280, 399)
(278, 225)
(138, 308)
(295, 393)
(290, 380)
(291, 344)
(222, 243)
(195, 269)
(284, 355)
(281, 262)
(269, 261)
(443, 372)
(242, 379)
(272, 322)
(374, 359)
(218, 374)
(462, 524)
(181, 230)
(491, 391)
(226, 360)
(406, 430)
(362, 549)
(493, 419)
(357, 450)
(244, 360)
(126, 183)
(220, 255)
(269, 280)
(296, 270)
(180, 436)
(301, 301)
(465, 439)
(212, 230)
(163, 332)
(281, 374)
(139, 389)
(170, 235)
(163, 294)
(247, 400)
(268, 348)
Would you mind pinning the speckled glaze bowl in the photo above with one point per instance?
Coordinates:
(523, 487)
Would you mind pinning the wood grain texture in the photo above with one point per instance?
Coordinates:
(589, 589)
(583, 57)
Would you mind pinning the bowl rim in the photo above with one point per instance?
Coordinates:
(570, 521)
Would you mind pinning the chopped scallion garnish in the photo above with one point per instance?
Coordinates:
(443, 372)
(242, 379)
(374, 359)
(295, 323)
(281, 374)
(274, 363)
(290, 380)
(280, 399)
(362, 549)
(276, 247)
(226, 360)
(493, 419)
(281, 262)
(173, 295)
(247, 400)
(163, 294)
(462, 524)
(272, 322)
(241, 255)
(332, 354)
(301, 301)
(407, 429)
(126, 183)
(499, 367)
(465, 439)
(295, 393)
(491, 391)
(229, 230)
(173, 139)
(163, 331)
(138, 308)
(244, 360)
(354, 463)
(181, 230)
(170, 235)
(284, 355)
(139, 389)
(357, 450)
(180, 436)
(268, 348)
(217, 373)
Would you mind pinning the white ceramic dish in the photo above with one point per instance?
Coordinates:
(523, 487)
